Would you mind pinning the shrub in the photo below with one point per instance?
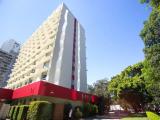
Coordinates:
(11, 111)
(40, 110)
(152, 116)
(46, 111)
(67, 108)
(86, 109)
(16, 110)
(94, 109)
(22, 112)
(77, 113)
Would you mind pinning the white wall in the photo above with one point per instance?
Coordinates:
(61, 65)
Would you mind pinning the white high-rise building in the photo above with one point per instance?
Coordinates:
(55, 53)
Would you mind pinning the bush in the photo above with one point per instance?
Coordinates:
(86, 109)
(40, 110)
(11, 111)
(94, 109)
(16, 110)
(152, 116)
(77, 113)
(46, 111)
(22, 112)
(67, 108)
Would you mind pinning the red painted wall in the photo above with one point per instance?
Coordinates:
(47, 89)
(5, 93)
(25, 91)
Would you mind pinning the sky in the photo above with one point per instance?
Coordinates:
(112, 29)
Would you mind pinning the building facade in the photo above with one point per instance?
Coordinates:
(11, 46)
(6, 64)
(8, 54)
(54, 53)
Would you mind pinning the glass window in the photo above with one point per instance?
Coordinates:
(44, 76)
(30, 80)
(33, 71)
(46, 64)
(48, 54)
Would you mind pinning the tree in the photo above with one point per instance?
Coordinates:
(129, 87)
(91, 89)
(153, 3)
(150, 35)
(99, 88)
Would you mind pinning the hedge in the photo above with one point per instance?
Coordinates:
(40, 110)
(152, 116)
(22, 112)
(11, 111)
(77, 114)
(15, 113)
(89, 109)
(94, 109)
(86, 109)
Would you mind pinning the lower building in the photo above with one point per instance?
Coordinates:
(43, 91)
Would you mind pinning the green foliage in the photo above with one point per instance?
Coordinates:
(150, 35)
(89, 109)
(33, 111)
(15, 114)
(152, 116)
(99, 88)
(94, 109)
(139, 85)
(152, 3)
(22, 112)
(130, 78)
(77, 113)
(86, 108)
(11, 111)
(130, 87)
(40, 110)
(150, 32)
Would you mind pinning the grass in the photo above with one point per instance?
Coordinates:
(135, 118)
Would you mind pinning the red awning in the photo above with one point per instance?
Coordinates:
(5, 94)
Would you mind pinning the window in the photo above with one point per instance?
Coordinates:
(25, 82)
(48, 54)
(44, 76)
(51, 37)
(33, 71)
(28, 74)
(34, 63)
(46, 64)
(22, 76)
(30, 80)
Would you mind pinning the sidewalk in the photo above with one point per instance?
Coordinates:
(114, 115)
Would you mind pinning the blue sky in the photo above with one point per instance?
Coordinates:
(112, 29)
